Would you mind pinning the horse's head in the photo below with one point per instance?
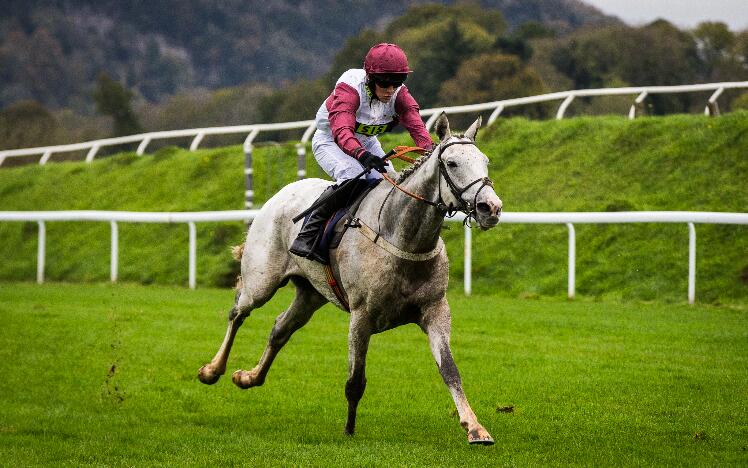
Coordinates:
(464, 181)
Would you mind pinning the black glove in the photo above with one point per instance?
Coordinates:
(369, 161)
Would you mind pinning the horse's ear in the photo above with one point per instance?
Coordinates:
(474, 128)
(442, 127)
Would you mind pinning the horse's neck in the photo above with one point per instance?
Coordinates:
(410, 224)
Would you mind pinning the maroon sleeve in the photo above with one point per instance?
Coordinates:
(342, 106)
(407, 110)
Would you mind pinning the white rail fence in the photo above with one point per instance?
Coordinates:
(497, 107)
(691, 218)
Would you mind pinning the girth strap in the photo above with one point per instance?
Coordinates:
(369, 233)
(335, 286)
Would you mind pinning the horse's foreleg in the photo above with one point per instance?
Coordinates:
(211, 372)
(437, 324)
(306, 302)
(358, 344)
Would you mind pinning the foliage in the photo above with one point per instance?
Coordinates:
(490, 77)
(534, 30)
(25, 124)
(741, 102)
(52, 52)
(597, 58)
(299, 101)
(114, 100)
(687, 162)
(106, 375)
(226, 106)
(438, 40)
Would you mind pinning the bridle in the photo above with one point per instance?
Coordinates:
(450, 210)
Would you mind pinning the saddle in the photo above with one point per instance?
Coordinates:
(333, 230)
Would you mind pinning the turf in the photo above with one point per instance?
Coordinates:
(106, 375)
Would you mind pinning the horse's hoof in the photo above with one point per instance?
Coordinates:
(245, 379)
(480, 437)
(207, 375)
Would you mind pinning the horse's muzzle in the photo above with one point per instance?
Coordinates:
(489, 211)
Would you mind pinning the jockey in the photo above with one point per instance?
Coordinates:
(364, 104)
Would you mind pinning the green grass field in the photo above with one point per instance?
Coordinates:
(106, 375)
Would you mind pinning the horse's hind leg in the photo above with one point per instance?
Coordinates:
(306, 302)
(359, 333)
(211, 372)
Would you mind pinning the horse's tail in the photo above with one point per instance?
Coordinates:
(237, 251)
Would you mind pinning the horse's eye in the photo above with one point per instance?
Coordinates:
(451, 164)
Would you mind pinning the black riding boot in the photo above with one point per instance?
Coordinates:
(307, 239)
(311, 232)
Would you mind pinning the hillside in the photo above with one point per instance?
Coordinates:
(52, 52)
(681, 162)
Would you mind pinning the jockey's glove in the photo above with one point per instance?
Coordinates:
(370, 161)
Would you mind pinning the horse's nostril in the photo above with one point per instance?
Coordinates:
(483, 207)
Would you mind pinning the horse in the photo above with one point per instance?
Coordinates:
(391, 266)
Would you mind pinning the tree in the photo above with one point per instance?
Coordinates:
(114, 100)
(353, 52)
(656, 54)
(438, 60)
(26, 124)
(490, 77)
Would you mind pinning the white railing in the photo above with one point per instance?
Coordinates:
(569, 219)
(496, 108)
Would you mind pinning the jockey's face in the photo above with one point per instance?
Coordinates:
(384, 94)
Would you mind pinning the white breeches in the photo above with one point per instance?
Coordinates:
(339, 165)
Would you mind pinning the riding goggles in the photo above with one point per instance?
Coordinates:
(385, 81)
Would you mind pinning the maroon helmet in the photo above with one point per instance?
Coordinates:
(386, 59)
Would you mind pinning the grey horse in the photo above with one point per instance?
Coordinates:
(391, 264)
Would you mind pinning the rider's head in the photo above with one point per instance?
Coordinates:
(386, 69)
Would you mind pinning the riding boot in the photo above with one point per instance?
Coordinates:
(311, 232)
(307, 239)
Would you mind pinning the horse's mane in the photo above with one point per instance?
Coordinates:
(412, 168)
(416, 164)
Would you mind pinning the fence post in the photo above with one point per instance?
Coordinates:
(249, 193)
(638, 103)
(300, 161)
(691, 263)
(712, 108)
(92, 153)
(45, 157)
(564, 106)
(301, 151)
(495, 114)
(143, 144)
(572, 260)
(196, 141)
(41, 252)
(193, 254)
(114, 252)
(468, 261)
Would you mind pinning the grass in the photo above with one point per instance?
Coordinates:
(106, 375)
(679, 162)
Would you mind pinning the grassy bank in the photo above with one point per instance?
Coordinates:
(106, 375)
(681, 162)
